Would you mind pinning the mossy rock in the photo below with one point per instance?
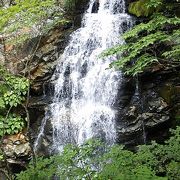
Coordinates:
(74, 5)
(169, 92)
(139, 8)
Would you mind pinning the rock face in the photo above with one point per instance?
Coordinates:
(139, 7)
(17, 150)
(40, 67)
(147, 107)
(149, 112)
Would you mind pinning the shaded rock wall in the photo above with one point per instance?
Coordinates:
(153, 108)
(139, 7)
(18, 152)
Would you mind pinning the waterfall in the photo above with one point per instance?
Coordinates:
(86, 89)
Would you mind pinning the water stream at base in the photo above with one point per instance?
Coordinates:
(86, 88)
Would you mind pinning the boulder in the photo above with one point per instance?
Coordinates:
(17, 150)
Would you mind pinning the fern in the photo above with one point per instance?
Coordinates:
(142, 44)
(173, 54)
(158, 22)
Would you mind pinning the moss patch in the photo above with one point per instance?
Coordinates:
(139, 8)
(169, 92)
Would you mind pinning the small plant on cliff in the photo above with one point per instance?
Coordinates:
(155, 42)
(12, 93)
(74, 162)
(12, 125)
(69, 4)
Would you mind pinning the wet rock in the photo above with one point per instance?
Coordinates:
(42, 142)
(151, 109)
(2, 176)
(151, 120)
(170, 91)
(43, 65)
(95, 7)
(16, 146)
(125, 92)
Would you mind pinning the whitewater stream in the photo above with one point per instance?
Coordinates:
(86, 89)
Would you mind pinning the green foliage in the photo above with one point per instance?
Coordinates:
(147, 44)
(124, 164)
(28, 18)
(12, 125)
(1, 156)
(75, 162)
(14, 89)
(145, 7)
(21, 20)
(44, 170)
(158, 22)
(154, 3)
(18, 88)
(12, 93)
(165, 158)
(94, 160)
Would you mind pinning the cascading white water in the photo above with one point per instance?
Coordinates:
(86, 88)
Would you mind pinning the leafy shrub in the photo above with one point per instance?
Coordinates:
(12, 125)
(154, 42)
(69, 4)
(154, 3)
(75, 162)
(94, 160)
(12, 93)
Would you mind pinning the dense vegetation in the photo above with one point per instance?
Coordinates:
(21, 20)
(13, 90)
(155, 42)
(94, 160)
